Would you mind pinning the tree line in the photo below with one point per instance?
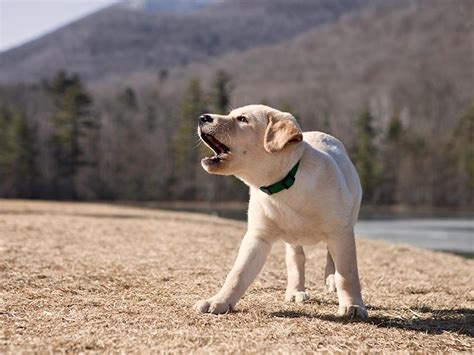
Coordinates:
(69, 143)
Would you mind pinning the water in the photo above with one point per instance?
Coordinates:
(447, 231)
(449, 234)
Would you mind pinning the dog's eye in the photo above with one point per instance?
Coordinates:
(242, 119)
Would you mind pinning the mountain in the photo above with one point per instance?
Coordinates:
(119, 40)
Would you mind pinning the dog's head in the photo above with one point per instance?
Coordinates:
(246, 138)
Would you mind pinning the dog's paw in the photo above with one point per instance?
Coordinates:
(297, 296)
(331, 283)
(213, 306)
(352, 312)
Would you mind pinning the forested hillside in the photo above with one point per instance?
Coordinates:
(119, 40)
(394, 83)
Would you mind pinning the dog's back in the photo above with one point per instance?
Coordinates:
(336, 150)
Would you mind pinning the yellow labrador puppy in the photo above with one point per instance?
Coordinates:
(303, 190)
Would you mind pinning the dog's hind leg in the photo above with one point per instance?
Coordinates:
(329, 274)
(295, 263)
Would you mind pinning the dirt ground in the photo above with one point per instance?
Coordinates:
(95, 277)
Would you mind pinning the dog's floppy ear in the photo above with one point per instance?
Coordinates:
(282, 129)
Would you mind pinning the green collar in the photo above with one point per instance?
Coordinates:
(286, 183)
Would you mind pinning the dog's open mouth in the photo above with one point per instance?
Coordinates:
(220, 149)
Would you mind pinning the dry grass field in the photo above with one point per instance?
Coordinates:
(91, 277)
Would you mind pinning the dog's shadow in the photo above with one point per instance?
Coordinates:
(438, 321)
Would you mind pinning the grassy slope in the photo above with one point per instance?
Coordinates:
(95, 277)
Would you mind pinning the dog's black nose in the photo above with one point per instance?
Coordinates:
(205, 118)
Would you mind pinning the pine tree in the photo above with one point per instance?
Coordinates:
(392, 154)
(184, 145)
(220, 98)
(365, 153)
(25, 168)
(73, 123)
(129, 99)
(7, 144)
(463, 151)
(18, 154)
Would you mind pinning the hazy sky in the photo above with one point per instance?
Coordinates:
(24, 20)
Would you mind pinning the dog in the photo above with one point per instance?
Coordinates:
(303, 189)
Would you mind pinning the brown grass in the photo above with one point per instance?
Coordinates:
(92, 277)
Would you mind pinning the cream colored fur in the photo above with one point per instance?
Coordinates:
(322, 205)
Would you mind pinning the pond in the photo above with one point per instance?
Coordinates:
(448, 234)
(448, 231)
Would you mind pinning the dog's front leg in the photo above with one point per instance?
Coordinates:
(252, 254)
(343, 250)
